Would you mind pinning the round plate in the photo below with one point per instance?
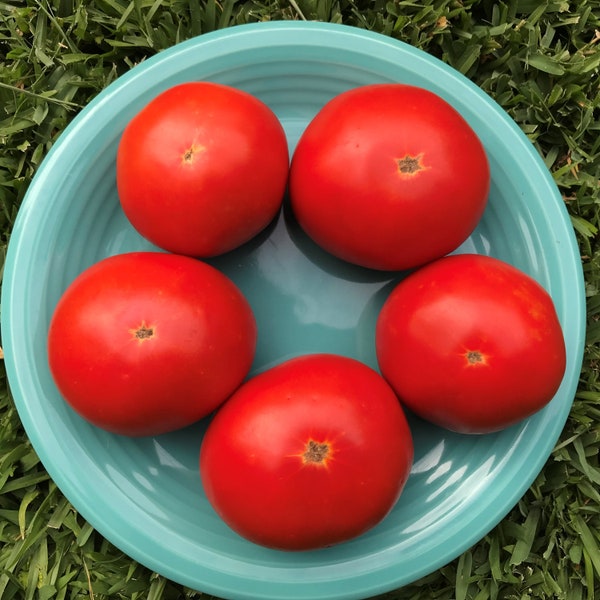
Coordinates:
(145, 495)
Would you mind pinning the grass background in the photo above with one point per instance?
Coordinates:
(539, 59)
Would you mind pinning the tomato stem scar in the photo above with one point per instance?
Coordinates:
(317, 453)
(189, 155)
(409, 166)
(475, 357)
(142, 333)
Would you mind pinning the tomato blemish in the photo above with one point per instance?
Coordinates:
(316, 453)
(410, 166)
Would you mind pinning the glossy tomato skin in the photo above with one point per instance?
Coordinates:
(202, 168)
(259, 459)
(389, 176)
(471, 343)
(146, 342)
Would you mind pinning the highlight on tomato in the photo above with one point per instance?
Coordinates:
(310, 453)
(144, 343)
(471, 343)
(202, 168)
(389, 176)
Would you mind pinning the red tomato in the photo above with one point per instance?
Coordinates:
(471, 343)
(202, 168)
(310, 453)
(144, 343)
(389, 176)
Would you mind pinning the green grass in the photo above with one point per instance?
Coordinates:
(539, 59)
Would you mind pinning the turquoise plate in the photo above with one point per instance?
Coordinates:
(145, 495)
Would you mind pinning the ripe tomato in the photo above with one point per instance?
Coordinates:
(308, 454)
(471, 343)
(389, 176)
(202, 168)
(144, 343)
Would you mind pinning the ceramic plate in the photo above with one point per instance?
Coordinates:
(145, 495)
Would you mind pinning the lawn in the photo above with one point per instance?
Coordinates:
(538, 59)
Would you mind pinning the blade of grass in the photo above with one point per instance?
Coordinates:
(539, 60)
